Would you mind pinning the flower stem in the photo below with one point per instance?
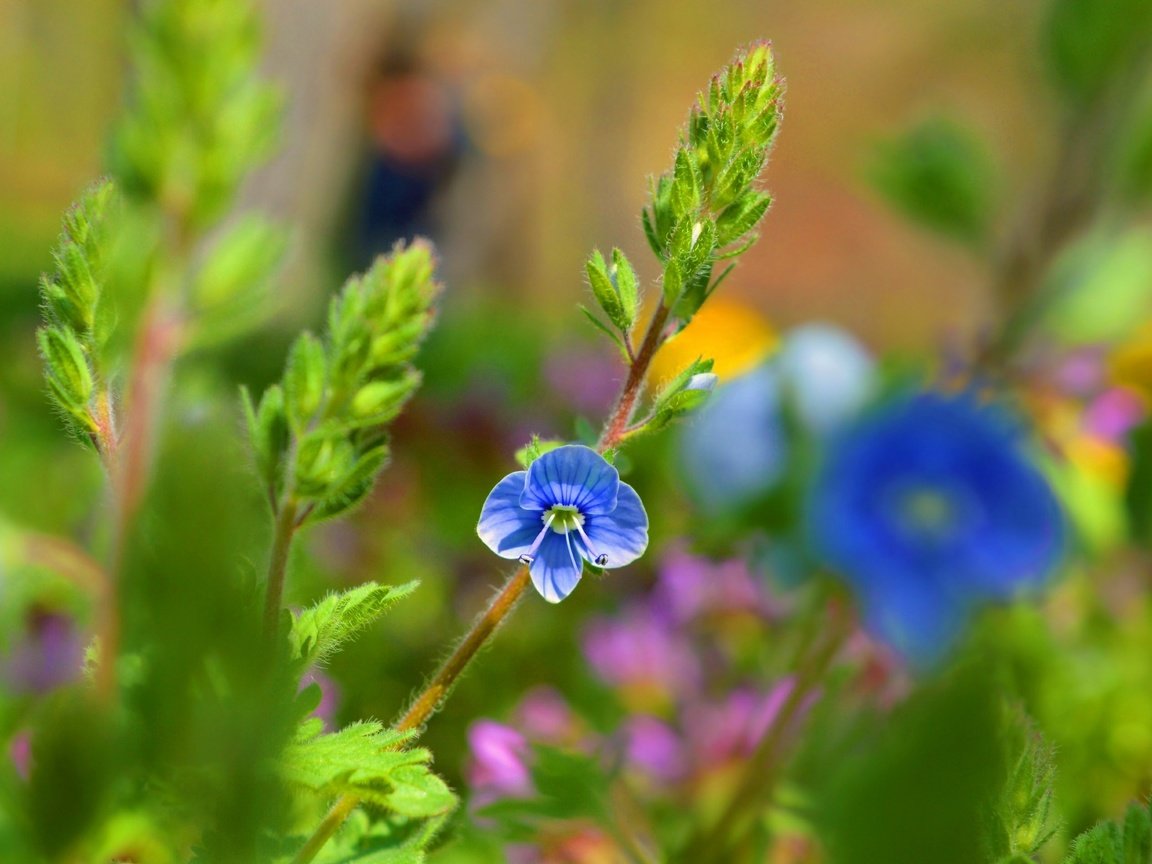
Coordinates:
(129, 461)
(617, 426)
(433, 696)
(286, 524)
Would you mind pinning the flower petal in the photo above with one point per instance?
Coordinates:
(575, 476)
(556, 568)
(622, 535)
(506, 527)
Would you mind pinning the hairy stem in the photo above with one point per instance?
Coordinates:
(286, 524)
(433, 696)
(155, 351)
(617, 426)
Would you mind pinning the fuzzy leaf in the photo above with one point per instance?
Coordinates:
(321, 629)
(365, 759)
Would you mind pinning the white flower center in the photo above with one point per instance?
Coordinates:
(564, 518)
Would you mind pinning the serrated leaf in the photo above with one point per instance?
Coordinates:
(365, 760)
(321, 629)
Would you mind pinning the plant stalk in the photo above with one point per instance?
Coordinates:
(433, 696)
(286, 524)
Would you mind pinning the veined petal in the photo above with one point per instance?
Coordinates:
(557, 567)
(505, 527)
(621, 535)
(575, 476)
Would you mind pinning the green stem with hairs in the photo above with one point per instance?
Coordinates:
(436, 692)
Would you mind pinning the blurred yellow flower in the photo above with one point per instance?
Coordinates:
(733, 334)
(1130, 364)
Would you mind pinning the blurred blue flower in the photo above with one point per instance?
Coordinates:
(828, 374)
(928, 507)
(736, 448)
(567, 508)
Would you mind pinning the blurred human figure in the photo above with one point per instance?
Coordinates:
(415, 144)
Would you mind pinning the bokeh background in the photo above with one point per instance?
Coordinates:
(519, 134)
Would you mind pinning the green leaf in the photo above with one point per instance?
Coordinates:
(627, 287)
(321, 629)
(305, 376)
(365, 759)
(1022, 818)
(1100, 289)
(939, 176)
(605, 329)
(351, 489)
(69, 377)
(741, 216)
(685, 191)
(268, 433)
(680, 396)
(534, 449)
(605, 292)
(1089, 46)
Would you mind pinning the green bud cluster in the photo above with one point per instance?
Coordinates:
(77, 319)
(199, 117)
(319, 435)
(707, 208)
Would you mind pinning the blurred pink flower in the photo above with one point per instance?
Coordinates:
(692, 587)
(642, 654)
(499, 764)
(731, 729)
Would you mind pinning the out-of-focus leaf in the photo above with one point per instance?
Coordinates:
(1101, 288)
(941, 177)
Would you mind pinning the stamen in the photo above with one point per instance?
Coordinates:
(599, 560)
(530, 556)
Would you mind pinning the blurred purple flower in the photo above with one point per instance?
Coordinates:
(653, 748)
(545, 716)
(20, 752)
(732, 728)
(329, 696)
(1080, 372)
(640, 652)
(499, 764)
(585, 379)
(1112, 414)
(692, 587)
(49, 654)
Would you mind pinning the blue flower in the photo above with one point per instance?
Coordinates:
(930, 506)
(567, 508)
(735, 450)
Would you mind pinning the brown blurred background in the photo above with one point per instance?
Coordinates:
(546, 117)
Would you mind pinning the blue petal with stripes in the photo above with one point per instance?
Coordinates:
(567, 508)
